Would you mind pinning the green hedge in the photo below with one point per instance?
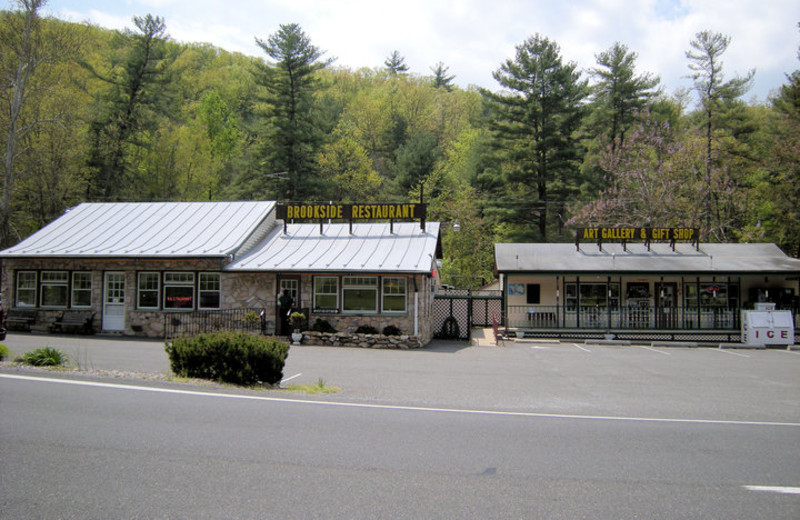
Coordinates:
(231, 357)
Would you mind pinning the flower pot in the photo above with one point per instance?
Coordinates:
(297, 337)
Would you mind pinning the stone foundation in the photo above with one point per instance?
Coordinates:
(351, 339)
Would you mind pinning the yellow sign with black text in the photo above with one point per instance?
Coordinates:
(626, 234)
(382, 211)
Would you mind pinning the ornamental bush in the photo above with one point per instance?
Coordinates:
(4, 352)
(321, 325)
(231, 357)
(43, 357)
(366, 329)
(391, 330)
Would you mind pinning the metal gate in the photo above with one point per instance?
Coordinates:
(456, 311)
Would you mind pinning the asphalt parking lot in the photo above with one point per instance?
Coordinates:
(703, 384)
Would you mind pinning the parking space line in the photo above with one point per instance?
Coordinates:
(727, 352)
(582, 348)
(656, 350)
(290, 378)
(790, 352)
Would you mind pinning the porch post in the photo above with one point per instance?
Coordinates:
(558, 307)
(699, 314)
(578, 300)
(608, 301)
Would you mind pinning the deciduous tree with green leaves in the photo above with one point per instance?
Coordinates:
(32, 51)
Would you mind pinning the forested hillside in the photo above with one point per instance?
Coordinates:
(97, 115)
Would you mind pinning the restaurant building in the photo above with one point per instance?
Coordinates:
(647, 283)
(147, 268)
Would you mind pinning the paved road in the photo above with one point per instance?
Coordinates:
(72, 451)
(554, 430)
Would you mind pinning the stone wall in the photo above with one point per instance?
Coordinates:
(348, 339)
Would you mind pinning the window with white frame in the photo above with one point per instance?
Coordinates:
(326, 294)
(208, 291)
(178, 290)
(360, 294)
(26, 289)
(147, 290)
(54, 286)
(81, 289)
(394, 295)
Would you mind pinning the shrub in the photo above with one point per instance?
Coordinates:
(4, 352)
(231, 357)
(251, 318)
(366, 329)
(43, 357)
(391, 330)
(297, 321)
(322, 326)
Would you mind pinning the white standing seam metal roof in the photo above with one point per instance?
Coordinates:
(371, 248)
(613, 258)
(147, 229)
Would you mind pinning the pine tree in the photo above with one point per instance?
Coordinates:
(440, 77)
(396, 64)
(137, 86)
(293, 137)
(706, 65)
(534, 124)
(619, 93)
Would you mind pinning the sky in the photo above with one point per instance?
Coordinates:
(474, 37)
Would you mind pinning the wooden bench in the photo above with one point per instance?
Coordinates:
(80, 321)
(19, 319)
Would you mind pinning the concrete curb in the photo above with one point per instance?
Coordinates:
(619, 342)
(742, 346)
(681, 344)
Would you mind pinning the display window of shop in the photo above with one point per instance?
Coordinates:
(81, 290)
(712, 295)
(326, 294)
(592, 294)
(26, 289)
(393, 295)
(178, 291)
(360, 294)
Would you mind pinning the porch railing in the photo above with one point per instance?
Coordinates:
(622, 318)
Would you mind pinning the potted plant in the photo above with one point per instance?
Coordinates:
(297, 322)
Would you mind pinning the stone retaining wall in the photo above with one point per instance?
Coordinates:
(351, 339)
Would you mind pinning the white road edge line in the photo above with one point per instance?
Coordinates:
(393, 407)
(290, 378)
(582, 348)
(775, 489)
(656, 350)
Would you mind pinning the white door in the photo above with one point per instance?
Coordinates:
(114, 302)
